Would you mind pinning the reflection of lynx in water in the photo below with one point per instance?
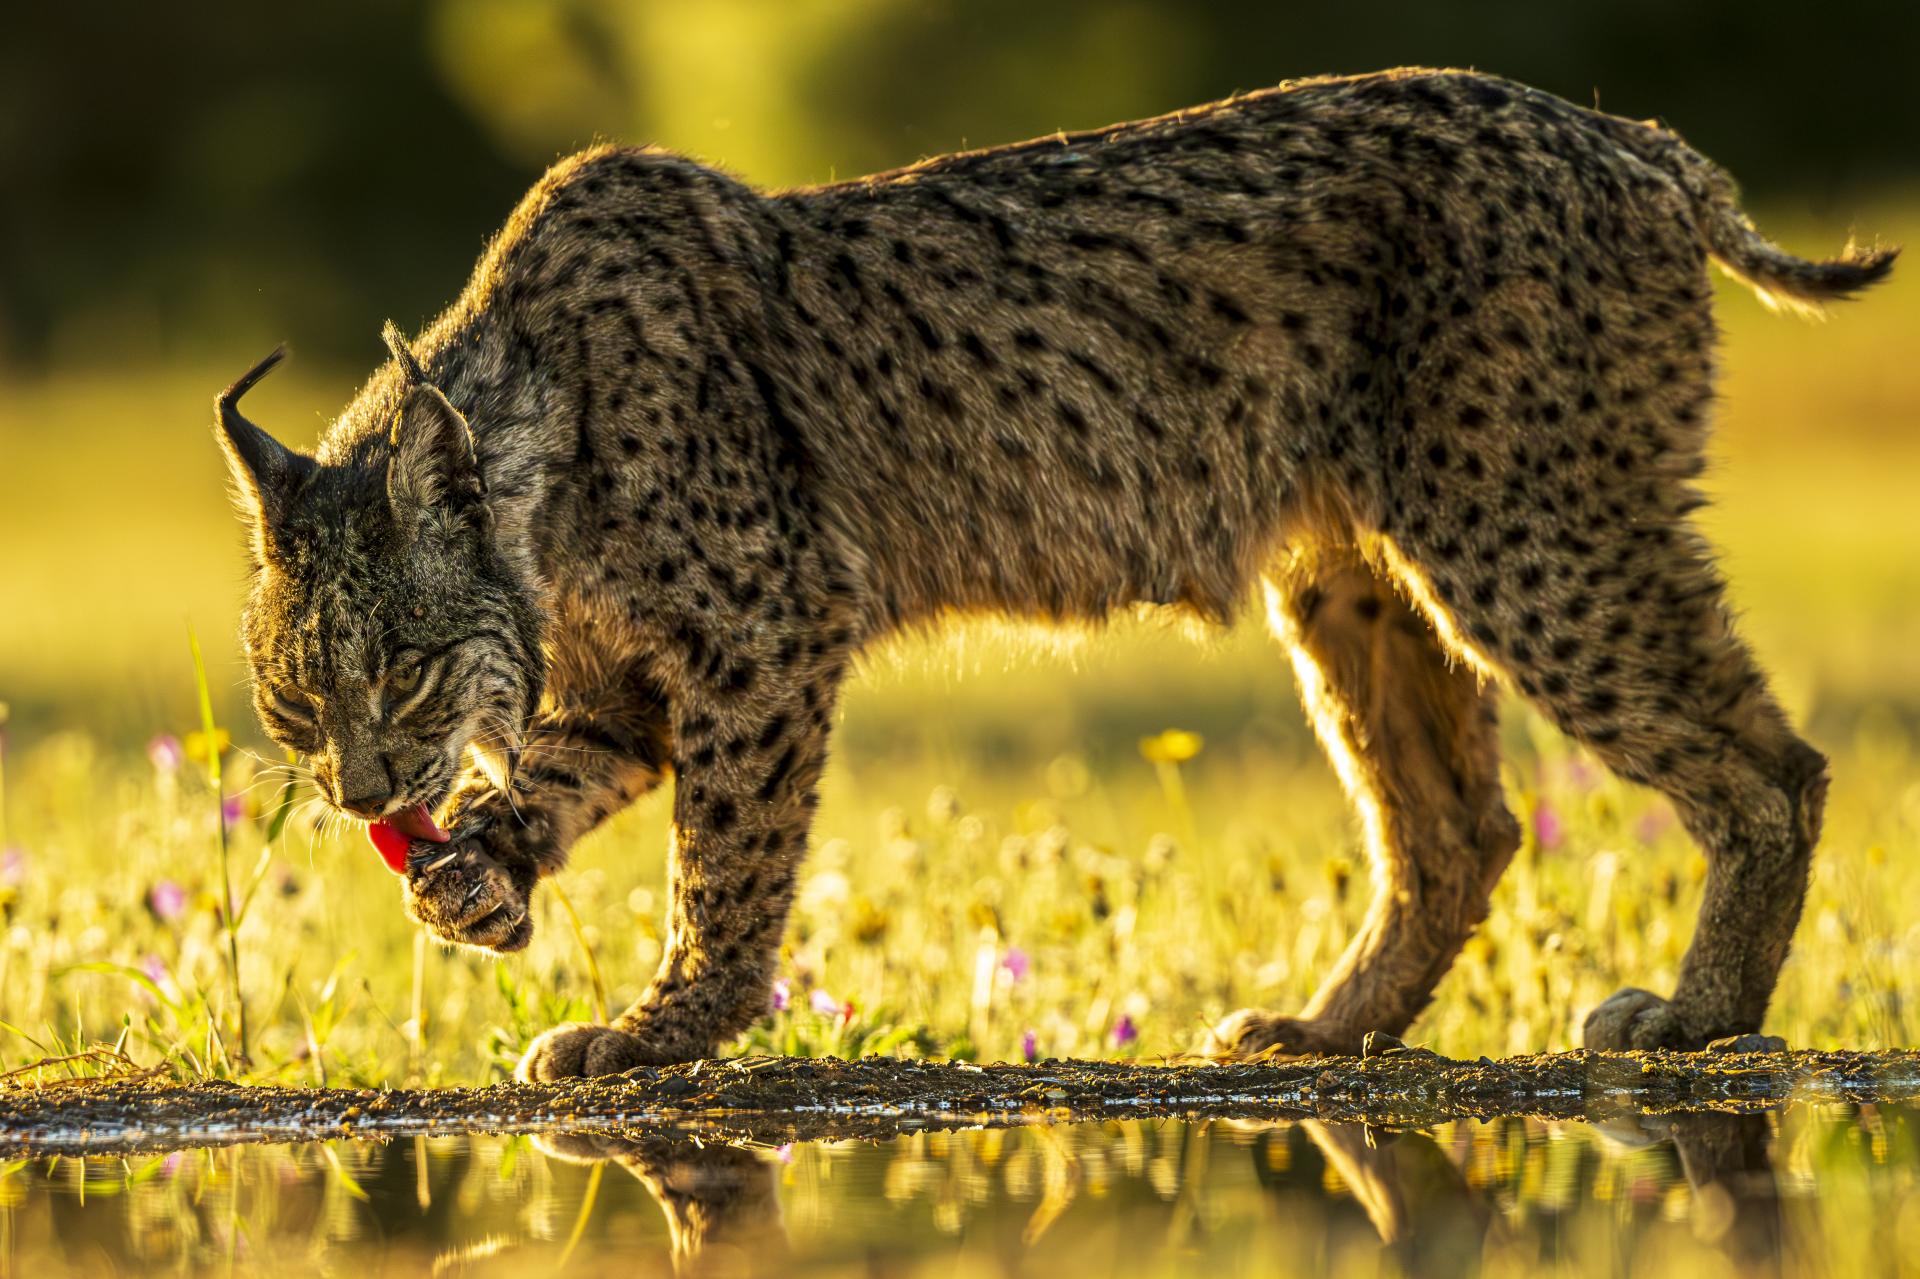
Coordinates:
(723, 1214)
(722, 1207)
(1425, 353)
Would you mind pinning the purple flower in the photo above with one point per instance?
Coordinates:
(1548, 829)
(233, 809)
(782, 995)
(823, 1003)
(784, 1153)
(1581, 774)
(167, 900)
(1124, 1031)
(1016, 963)
(165, 752)
(13, 866)
(155, 968)
(1030, 1047)
(1653, 823)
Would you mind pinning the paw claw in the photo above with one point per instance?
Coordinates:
(468, 898)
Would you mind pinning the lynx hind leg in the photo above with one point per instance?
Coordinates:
(1651, 678)
(1413, 738)
(1565, 559)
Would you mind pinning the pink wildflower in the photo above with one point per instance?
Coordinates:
(1124, 1031)
(165, 752)
(1016, 963)
(167, 900)
(13, 866)
(823, 1003)
(782, 995)
(1653, 823)
(1548, 829)
(1581, 775)
(1030, 1047)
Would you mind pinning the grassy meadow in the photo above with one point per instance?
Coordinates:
(999, 869)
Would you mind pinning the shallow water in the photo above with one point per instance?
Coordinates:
(1830, 1190)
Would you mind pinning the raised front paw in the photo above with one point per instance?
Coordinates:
(582, 1049)
(461, 893)
(1252, 1032)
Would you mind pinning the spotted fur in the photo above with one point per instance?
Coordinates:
(1426, 353)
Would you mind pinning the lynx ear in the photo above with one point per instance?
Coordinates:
(265, 471)
(434, 467)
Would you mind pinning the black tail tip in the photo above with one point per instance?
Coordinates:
(1856, 269)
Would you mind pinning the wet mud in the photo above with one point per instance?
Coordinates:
(775, 1100)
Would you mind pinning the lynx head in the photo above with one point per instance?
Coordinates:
(386, 632)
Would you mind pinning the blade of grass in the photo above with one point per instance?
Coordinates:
(4, 713)
(284, 809)
(586, 1210)
(260, 869)
(12, 1029)
(133, 975)
(593, 965)
(347, 1181)
(417, 1022)
(212, 732)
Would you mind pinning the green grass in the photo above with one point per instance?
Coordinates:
(922, 880)
(986, 793)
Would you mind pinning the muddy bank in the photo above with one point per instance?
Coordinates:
(773, 1100)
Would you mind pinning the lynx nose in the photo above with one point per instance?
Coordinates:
(366, 789)
(368, 806)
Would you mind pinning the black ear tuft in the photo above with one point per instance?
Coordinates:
(403, 354)
(264, 470)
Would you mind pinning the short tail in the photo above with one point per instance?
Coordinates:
(1782, 280)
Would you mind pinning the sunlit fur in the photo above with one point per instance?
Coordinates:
(683, 449)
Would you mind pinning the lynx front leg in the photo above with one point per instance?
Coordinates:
(587, 755)
(718, 1199)
(746, 762)
(1413, 739)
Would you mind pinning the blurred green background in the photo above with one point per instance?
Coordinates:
(186, 185)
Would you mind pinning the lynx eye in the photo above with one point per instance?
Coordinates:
(406, 677)
(294, 705)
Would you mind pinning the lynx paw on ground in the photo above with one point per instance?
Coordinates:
(580, 1049)
(1252, 1032)
(1634, 1019)
(1640, 1019)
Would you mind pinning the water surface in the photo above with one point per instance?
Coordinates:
(1808, 1190)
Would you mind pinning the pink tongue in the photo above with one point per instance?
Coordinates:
(417, 823)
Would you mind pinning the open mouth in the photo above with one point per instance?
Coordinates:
(398, 831)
